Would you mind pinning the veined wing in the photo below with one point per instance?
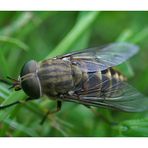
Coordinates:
(125, 98)
(129, 100)
(96, 58)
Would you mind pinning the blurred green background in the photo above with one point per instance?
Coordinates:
(38, 35)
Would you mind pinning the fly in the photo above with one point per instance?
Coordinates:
(87, 77)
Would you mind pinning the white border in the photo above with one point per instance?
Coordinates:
(73, 5)
(73, 142)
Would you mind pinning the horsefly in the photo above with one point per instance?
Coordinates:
(87, 77)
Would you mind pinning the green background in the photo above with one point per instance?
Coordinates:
(38, 35)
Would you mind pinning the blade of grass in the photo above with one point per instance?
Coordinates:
(21, 128)
(18, 24)
(4, 92)
(84, 40)
(125, 35)
(14, 96)
(74, 35)
(133, 37)
(143, 34)
(37, 19)
(3, 65)
(14, 41)
(126, 67)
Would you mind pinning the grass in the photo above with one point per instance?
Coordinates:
(40, 35)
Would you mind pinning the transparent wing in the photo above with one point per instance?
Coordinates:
(96, 58)
(129, 100)
(121, 96)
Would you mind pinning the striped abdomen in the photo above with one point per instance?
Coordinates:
(101, 83)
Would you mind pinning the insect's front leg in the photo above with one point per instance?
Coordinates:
(59, 105)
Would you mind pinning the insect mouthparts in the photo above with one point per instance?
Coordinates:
(15, 84)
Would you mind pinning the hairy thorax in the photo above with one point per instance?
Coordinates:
(58, 76)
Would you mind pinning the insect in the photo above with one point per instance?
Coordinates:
(87, 77)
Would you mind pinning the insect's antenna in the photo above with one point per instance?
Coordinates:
(12, 79)
(14, 84)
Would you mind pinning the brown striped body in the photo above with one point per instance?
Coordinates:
(58, 76)
(85, 77)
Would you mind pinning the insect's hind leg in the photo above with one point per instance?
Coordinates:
(59, 105)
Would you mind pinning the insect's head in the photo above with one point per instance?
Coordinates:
(28, 80)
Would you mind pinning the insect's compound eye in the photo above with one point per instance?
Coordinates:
(29, 80)
(29, 67)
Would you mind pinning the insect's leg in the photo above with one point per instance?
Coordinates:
(17, 102)
(59, 105)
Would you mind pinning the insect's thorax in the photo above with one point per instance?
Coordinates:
(57, 76)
